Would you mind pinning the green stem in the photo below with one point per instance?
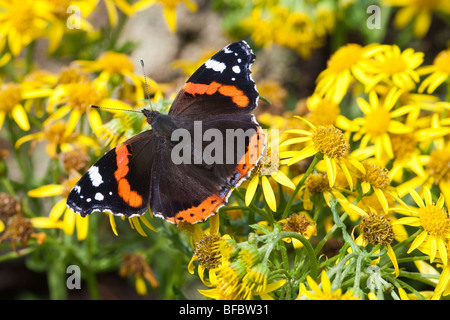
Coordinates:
(307, 245)
(313, 164)
(264, 214)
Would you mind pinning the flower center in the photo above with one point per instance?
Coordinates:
(435, 220)
(376, 229)
(403, 145)
(345, 58)
(59, 7)
(114, 62)
(393, 65)
(82, 95)
(325, 113)
(206, 251)
(54, 132)
(317, 183)
(377, 122)
(22, 17)
(426, 4)
(299, 223)
(442, 62)
(375, 175)
(439, 165)
(267, 164)
(72, 75)
(330, 141)
(10, 96)
(133, 264)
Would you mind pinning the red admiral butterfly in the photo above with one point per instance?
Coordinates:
(141, 171)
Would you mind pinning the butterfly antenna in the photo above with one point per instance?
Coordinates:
(115, 109)
(146, 85)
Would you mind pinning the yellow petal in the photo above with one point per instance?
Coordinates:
(382, 198)
(72, 123)
(393, 258)
(251, 189)
(29, 137)
(170, 15)
(147, 223)
(47, 191)
(2, 118)
(112, 222)
(214, 224)
(20, 117)
(141, 286)
(283, 179)
(268, 193)
(82, 227)
(69, 222)
(95, 121)
(58, 210)
(112, 13)
(418, 241)
(442, 251)
(303, 154)
(331, 170)
(134, 221)
(417, 199)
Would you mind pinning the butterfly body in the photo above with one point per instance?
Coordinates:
(187, 164)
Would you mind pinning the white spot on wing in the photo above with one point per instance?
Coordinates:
(236, 69)
(215, 65)
(99, 196)
(95, 176)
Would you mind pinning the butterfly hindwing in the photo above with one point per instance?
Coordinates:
(118, 181)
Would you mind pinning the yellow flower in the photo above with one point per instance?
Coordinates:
(236, 282)
(268, 167)
(122, 5)
(405, 146)
(440, 72)
(301, 224)
(376, 229)
(11, 98)
(61, 11)
(111, 64)
(392, 66)
(54, 133)
(437, 173)
(443, 284)
(77, 98)
(134, 265)
(434, 221)
(323, 293)
(23, 22)
(169, 8)
(420, 10)
(345, 65)
(327, 140)
(71, 220)
(378, 122)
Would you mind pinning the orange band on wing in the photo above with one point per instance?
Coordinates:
(200, 213)
(237, 95)
(254, 150)
(129, 196)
